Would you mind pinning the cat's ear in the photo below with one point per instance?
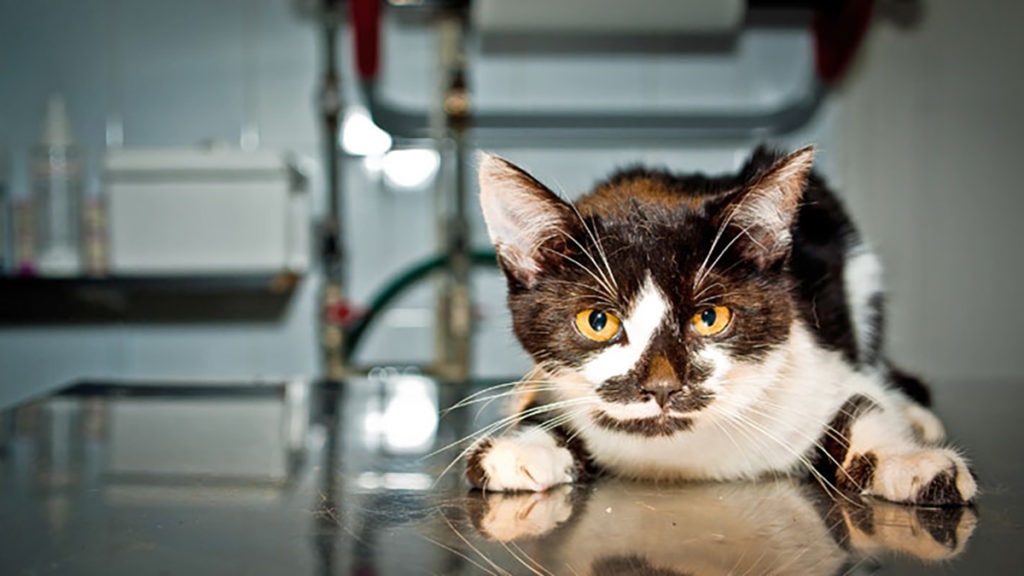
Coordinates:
(521, 215)
(764, 211)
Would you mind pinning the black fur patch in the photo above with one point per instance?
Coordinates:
(834, 444)
(859, 473)
(474, 469)
(821, 238)
(941, 491)
(911, 386)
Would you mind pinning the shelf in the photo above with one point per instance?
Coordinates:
(146, 299)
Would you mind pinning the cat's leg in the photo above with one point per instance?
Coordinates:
(884, 459)
(530, 458)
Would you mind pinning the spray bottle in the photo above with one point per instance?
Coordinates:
(57, 190)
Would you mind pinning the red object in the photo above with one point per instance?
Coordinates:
(366, 29)
(342, 313)
(838, 35)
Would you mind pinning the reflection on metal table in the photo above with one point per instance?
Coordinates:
(357, 478)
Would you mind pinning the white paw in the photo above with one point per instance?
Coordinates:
(929, 477)
(530, 461)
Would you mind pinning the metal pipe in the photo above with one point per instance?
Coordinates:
(599, 129)
(455, 312)
(331, 228)
(603, 128)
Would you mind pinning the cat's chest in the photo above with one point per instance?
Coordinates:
(746, 431)
(713, 451)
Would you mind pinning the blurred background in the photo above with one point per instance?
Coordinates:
(170, 169)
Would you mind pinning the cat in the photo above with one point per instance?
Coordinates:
(687, 327)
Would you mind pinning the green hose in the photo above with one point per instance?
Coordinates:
(405, 280)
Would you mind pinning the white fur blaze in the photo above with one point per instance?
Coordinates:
(640, 325)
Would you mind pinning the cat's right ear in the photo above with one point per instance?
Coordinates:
(521, 215)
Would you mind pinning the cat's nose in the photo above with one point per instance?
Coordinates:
(662, 381)
(663, 390)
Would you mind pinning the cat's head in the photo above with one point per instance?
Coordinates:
(653, 297)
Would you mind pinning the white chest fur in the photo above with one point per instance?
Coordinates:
(758, 423)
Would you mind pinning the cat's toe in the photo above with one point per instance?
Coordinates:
(927, 477)
(509, 465)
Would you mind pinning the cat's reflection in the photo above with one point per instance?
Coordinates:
(775, 527)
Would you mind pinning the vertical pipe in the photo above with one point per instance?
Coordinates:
(332, 231)
(456, 318)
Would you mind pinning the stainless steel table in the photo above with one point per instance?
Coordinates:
(353, 478)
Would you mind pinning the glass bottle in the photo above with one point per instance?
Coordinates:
(56, 192)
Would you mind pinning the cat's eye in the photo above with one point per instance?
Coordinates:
(597, 325)
(711, 321)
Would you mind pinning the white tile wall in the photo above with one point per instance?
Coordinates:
(930, 146)
(177, 73)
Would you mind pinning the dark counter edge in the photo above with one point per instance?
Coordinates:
(258, 297)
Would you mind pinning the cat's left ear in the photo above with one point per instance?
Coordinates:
(522, 216)
(764, 211)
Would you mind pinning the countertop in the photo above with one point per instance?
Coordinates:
(362, 477)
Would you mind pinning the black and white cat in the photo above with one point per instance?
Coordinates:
(693, 327)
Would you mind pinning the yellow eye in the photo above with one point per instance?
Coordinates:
(711, 321)
(598, 325)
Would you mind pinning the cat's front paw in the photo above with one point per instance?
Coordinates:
(926, 476)
(526, 462)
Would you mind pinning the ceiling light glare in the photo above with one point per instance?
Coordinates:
(361, 137)
(411, 168)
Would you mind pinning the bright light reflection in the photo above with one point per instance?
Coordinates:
(361, 137)
(411, 168)
(410, 416)
(376, 481)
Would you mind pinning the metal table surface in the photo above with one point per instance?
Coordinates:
(352, 478)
